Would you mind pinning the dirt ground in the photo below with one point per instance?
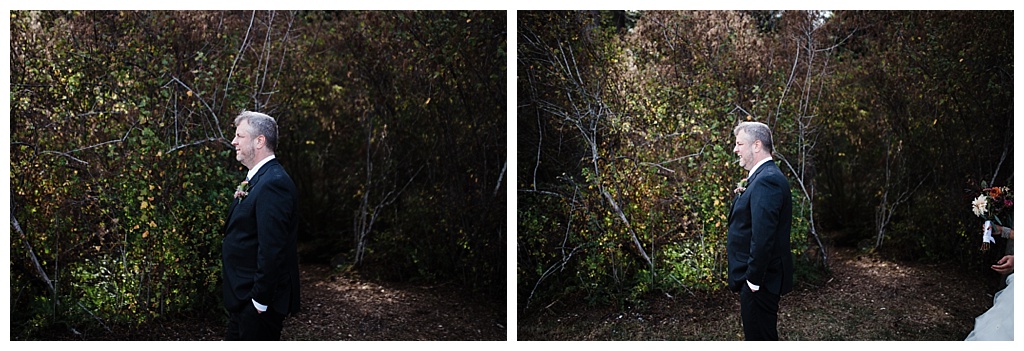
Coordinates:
(341, 306)
(865, 298)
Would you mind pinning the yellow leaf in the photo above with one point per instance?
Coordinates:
(152, 224)
(144, 205)
(145, 234)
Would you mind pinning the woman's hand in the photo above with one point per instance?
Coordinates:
(1005, 265)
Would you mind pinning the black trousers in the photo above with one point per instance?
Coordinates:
(760, 314)
(248, 324)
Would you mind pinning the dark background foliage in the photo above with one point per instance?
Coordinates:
(887, 122)
(392, 125)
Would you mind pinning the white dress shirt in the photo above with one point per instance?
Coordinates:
(253, 171)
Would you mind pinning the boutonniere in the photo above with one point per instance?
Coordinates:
(741, 187)
(243, 190)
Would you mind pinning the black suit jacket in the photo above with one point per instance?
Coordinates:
(759, 225)
(259, 250)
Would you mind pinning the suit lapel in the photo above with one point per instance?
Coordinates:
(231, 212)
(732, 208)
(750, 180)
(252, 184)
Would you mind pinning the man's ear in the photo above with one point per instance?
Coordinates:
(757, 145)
(260, 141)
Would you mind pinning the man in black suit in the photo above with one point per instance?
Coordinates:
(760, 262)
(260, 263)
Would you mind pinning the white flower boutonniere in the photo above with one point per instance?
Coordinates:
(741, 187)
(243, 190)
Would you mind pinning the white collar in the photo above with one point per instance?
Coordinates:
(758, 165)
(252, 172)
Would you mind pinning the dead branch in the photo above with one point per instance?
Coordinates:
(198, 142)
(41, 273)
(501, 177)
(238, 56)
(587, 108)
(560, 265)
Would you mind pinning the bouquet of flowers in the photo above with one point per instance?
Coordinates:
(990, 205)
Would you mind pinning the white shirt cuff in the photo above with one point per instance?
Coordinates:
(751, 285)
(259, 307)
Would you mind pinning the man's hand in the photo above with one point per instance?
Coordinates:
(1005, 265)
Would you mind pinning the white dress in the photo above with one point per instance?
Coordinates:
(997, 322)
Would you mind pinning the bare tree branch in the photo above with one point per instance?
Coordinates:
(41, 273)
(216, 121)
(76, 159)
(566, 257)
(284, 53)
(241, 50)
(586, 109)
(65, 155)
(501, 177)
(1007, 144)
(198, 142)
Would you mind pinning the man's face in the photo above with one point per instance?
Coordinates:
(245, 144)
(745, 150)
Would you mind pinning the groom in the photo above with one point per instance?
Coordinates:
(260, 263)
(760, 262)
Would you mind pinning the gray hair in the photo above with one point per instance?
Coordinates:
(260, 124)
(757, 131)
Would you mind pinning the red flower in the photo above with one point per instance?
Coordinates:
(995, 192)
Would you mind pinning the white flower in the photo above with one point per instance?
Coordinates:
(980, 205)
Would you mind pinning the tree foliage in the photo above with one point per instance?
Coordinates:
(122, 169)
